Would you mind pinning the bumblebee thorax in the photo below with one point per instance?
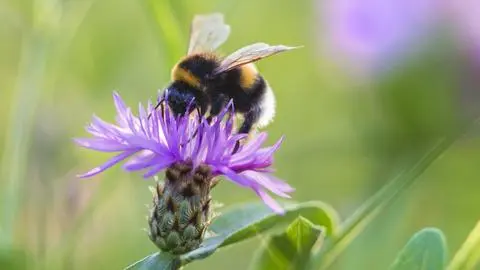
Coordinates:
(195, 69)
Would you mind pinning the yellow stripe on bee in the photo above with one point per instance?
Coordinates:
(248, 75)
(181, 74)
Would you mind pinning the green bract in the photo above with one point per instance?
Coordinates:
(181, 209)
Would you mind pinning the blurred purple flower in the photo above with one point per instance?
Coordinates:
(156, 143)
(465, 17)
(375, 32)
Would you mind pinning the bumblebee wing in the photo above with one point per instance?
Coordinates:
(207, 32)
(249, 54)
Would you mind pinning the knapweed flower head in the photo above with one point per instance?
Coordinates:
(155, 140)
(193, 152)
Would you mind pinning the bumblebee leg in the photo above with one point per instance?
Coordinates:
(251, 117)
(217, 105)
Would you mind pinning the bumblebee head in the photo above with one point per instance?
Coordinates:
(180, 99)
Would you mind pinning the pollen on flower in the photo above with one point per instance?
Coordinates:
(193, 153)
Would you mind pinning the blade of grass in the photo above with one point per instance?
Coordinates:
(12, 17)
(74, 16)
(68, 245)
(27, 93)
(468, 256)
(173, 38)
(353, 226)
(36, 50)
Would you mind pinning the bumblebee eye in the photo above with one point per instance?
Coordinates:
(180, 100)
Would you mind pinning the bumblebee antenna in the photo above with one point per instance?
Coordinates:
(159, 104)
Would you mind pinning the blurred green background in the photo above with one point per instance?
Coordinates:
(346, 132)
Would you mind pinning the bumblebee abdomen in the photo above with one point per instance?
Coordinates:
(248, 76)
(267, 106)
(242, 84)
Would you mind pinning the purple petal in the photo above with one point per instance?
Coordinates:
(270, 202)
(269, 182)
(148, 144)
(116, 159)
(121, 108)
(101, 144)
(119, 104)
(172, 133)
(219, 146)
(249, 148)
(131, 120)
(140, 161)
(266, 153)
(196, 145)
(108, 129)
(236, 178)
(229, 125)
(157, 129)
(161, 165)
(93, 131)
(233, 140)
(142, 120)
(213, 146)
(218, 119)
(265, 170)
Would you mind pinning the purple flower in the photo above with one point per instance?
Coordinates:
(375, 33)
(157, 143)
(465, 17)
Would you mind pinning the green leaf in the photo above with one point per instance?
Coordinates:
(252, 219)
(426, 250)
(291, 249)
(303, 234)
(468, 256)
(157, 261)
(246, 221)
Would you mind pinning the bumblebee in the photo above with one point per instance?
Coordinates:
(205, 81)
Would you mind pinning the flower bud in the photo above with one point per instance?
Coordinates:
(181, 208)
